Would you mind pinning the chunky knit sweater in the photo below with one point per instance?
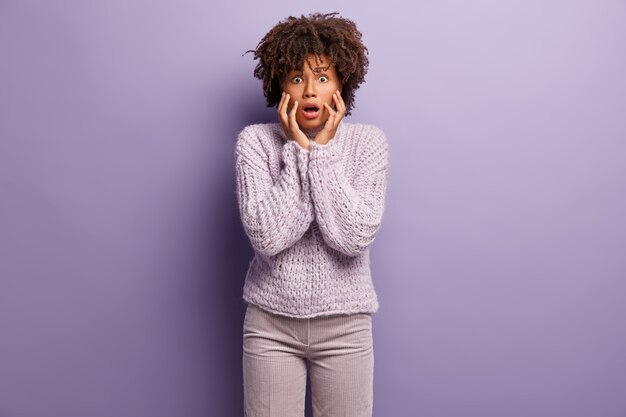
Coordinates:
(311, 216)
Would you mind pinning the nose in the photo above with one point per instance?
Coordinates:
(309, 90)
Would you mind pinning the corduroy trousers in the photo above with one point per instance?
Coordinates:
(340, 354)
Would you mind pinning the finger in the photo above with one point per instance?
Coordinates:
(292, 116)
(336, 102)
(284, 117)
(293, 124)
(333, 119)
(341, 105)
(281, 104)
(331, 115)
(297, 134)
(287, 99)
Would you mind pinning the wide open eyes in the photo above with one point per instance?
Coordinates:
(298, 79)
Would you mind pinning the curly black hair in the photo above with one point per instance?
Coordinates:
(285, 47)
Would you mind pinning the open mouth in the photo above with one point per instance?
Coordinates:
(310, 111)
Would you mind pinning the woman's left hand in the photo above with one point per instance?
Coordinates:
(330, 127)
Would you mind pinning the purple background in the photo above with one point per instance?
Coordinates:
(500, 265)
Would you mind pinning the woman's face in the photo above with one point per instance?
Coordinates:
(311, 89)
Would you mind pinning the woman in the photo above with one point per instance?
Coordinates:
(311, 192)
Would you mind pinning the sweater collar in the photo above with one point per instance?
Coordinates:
(311, 133)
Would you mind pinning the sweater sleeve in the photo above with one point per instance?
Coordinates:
(275, 214)
(349, 213)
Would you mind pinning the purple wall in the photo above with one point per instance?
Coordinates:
(500, 266)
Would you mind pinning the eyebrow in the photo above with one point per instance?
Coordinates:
(318, 70)
(315, 69)
(322, 68)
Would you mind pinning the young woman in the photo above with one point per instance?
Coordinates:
(311, 191)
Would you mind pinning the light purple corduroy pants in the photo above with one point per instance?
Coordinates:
(341, 360)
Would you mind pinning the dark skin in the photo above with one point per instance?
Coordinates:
(317, 86)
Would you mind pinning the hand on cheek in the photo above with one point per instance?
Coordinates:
(287, 118)
(335, 114)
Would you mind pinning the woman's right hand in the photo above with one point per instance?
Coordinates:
(288, 120)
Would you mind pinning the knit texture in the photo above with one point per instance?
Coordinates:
(311, 216)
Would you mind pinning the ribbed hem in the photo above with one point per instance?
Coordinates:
(369, 308)
(313, 315)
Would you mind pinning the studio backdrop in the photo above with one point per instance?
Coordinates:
(499, 266)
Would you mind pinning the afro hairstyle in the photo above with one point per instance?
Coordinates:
(286, 46)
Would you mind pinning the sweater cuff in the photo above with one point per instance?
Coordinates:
(327, 152)
(295, 148)
(301, 155)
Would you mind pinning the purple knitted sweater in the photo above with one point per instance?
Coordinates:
(311, 216)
